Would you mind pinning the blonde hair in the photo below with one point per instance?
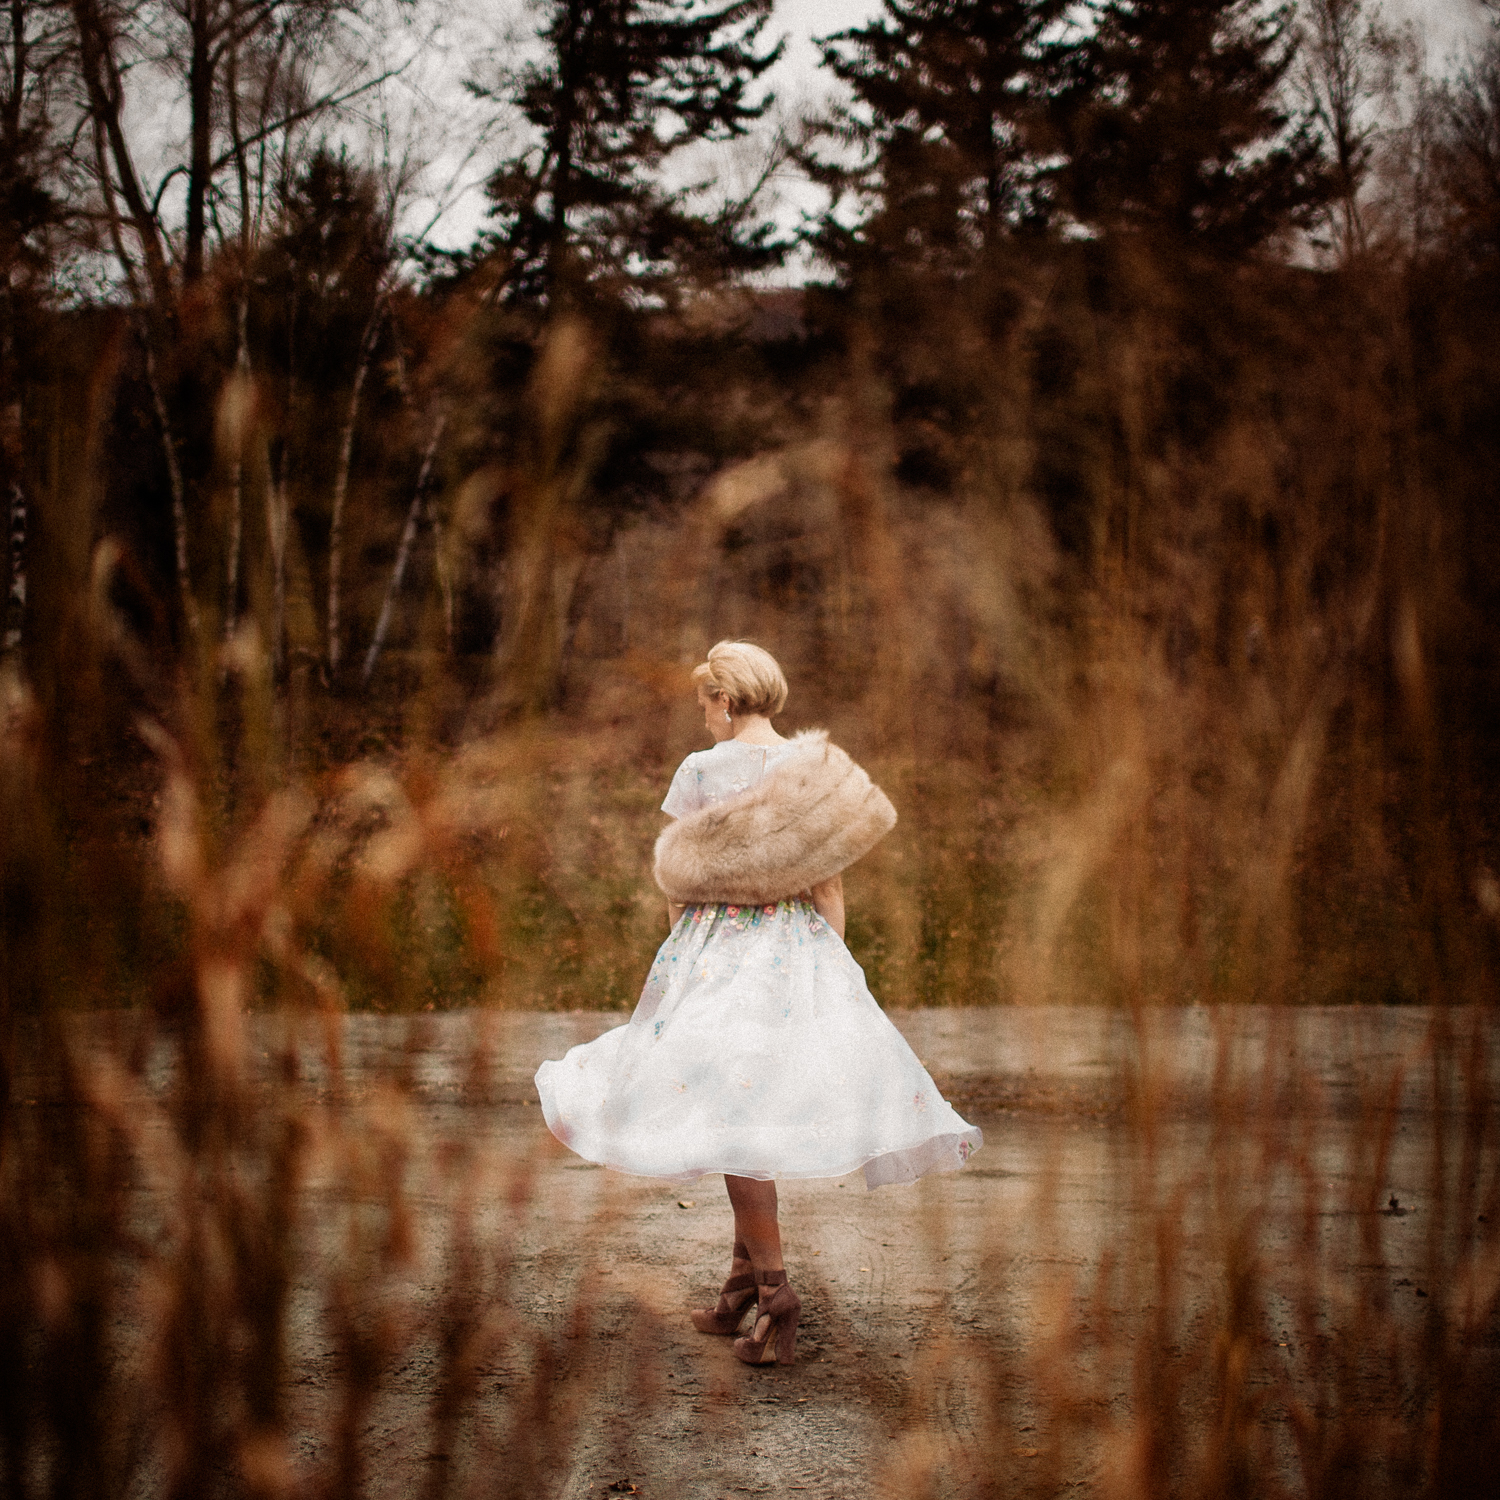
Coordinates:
(747, 675)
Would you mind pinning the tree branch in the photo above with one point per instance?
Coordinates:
(295, 117)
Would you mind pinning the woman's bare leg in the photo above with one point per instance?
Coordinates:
(756, 1227)
(755, 1224)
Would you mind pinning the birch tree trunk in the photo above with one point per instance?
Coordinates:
(277, 512)
(11, 450)
(277, 507)
(241, 393)
(179, 502)
(341, 487)
(15, 604)
(403, 553)
(441, 565)
(240, 396)
(444, 573)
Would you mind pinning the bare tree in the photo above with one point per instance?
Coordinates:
(367, 345)
(15, 603)
(419, 501)
(1468, 149)
(249, 70)
(100, 36)
(269, 96)
(1350, 61)
(398, 174)
(203, 42)
(262, 97)
(245, 68)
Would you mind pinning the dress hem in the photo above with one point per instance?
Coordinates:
(906, 1164)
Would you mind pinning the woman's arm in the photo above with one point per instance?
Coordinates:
(828, 902)
(674, 911)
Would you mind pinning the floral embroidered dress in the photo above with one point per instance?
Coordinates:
(756, 1047)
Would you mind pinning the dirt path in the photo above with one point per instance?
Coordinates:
(980, 1324)
(934, 1314)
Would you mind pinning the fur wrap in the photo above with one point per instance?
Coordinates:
(811, 816)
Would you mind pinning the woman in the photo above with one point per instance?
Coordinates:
(756, 1049)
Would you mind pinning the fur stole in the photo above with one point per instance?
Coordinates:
(811, 816)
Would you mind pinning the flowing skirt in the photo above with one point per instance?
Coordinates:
(756, 1049)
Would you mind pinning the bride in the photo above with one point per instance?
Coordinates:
(756, 1049)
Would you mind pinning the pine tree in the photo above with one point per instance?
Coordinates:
(1173, 126)
(623, 86)
(945, 94)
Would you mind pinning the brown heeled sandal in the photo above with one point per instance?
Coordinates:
(781, 1311)
(726, 1317)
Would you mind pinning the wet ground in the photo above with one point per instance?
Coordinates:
(950, 1326)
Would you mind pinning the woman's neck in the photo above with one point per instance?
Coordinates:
(755, 729)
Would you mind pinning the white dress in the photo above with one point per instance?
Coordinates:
(756, 1047)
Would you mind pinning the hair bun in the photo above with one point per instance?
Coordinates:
(747, 674)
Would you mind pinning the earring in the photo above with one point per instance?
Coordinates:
(728, 717)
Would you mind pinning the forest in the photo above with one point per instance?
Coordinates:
(1119, 467)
